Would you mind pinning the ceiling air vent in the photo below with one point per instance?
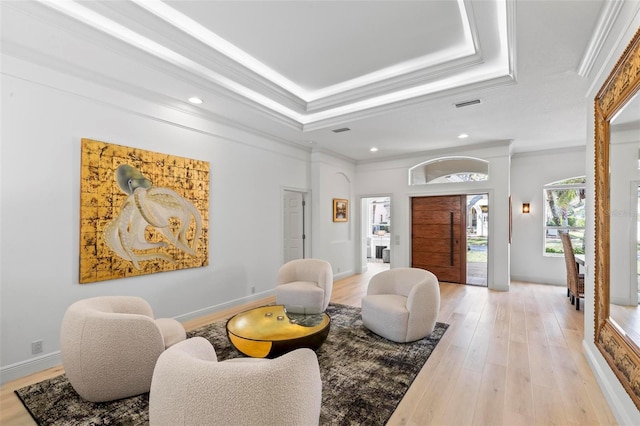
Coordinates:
(343, 129)
(467, 103)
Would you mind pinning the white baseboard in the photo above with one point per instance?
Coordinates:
(30, 366)
(217, 308)
(612, 396)
(342, 275)
(538, 280)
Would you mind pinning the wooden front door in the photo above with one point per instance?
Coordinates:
(438, 236)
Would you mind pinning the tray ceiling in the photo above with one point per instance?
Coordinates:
(297, 70)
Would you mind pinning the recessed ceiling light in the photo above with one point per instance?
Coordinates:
(374, 149)
(195, 100)
(463, 136)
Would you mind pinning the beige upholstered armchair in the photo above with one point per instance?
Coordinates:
(190, 387)
(304, 286)
(402, 304)
(110, 346)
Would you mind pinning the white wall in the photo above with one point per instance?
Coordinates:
(44, 115)
(626, 25)
(623, 199)
(391, 178)
(333, 177)
(529, 173)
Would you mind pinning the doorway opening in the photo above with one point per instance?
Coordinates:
(477, 238)
(449, 237)
(376, 232)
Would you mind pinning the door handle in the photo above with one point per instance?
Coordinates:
(451, 238)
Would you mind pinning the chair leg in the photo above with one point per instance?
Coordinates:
(568, 293)
(577, 303)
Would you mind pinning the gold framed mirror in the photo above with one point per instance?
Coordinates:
(621, 352)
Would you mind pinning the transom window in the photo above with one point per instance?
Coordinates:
(449, 170)
(564, 212)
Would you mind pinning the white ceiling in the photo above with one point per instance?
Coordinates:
(390, 71)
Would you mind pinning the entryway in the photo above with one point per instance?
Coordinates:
(477, 239)
(376, 231)
(449, 237)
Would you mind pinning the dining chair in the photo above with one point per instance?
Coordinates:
(575, 280)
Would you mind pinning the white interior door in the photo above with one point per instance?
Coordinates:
(294, 223)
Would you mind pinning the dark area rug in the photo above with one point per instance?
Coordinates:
(364, 377)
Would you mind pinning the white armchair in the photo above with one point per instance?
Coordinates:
(110, 345)
(402, 304)
(304, 286)
(190, 387)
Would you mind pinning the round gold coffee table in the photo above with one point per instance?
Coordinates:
(269, 331)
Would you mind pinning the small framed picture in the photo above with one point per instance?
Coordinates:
(340, 210)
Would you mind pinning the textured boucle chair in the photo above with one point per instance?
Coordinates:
(304, 286)
(110, 346)
(402, 304)
(190, 387)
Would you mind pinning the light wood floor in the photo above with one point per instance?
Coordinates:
(508, 358)
(628, 318)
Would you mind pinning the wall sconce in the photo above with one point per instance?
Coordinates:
(526, 208)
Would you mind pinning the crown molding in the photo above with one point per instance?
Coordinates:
(12, 49)
(604, 27)
(578, 149)
(400, 82)
(500, 80)
(319, 154)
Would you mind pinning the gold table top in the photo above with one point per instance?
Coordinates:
(257, 331)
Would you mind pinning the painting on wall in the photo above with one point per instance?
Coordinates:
(340, 210)
(141, 212)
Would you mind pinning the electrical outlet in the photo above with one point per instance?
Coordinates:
(36, 347)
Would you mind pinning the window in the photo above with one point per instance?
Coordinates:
(564, 212)
(449, 170)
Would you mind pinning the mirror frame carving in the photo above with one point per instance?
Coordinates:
(621, 353)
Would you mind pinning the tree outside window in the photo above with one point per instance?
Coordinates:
(564, 212)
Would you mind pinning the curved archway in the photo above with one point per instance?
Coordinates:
(449, 170)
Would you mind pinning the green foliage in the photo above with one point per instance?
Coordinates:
(556, 248)
(476, 241)
(565, 206)
(476, 256)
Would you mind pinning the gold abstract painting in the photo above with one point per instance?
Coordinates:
(141, 212)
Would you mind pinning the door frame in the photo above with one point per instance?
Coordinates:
(467, 191)
(306, 212)
(361, 248)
